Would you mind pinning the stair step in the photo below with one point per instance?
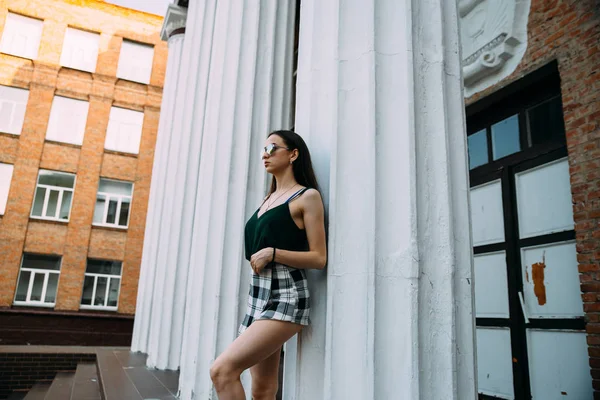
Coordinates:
(61, 386)
(38, 392)
(85, 383)
(18, 395)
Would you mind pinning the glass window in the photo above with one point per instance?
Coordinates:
(21, 36)
(135, 62)
(505, 137)
(80, 50)
(545, 122)
(102, 284)
(67, 120)
(6, 172)
(478, 149)
(38, 280)
(53, 195)
(124, 130)
(13, 103)
(113, 203)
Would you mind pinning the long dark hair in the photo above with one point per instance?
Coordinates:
(302, 166)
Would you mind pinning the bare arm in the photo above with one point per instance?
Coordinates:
(313, 216)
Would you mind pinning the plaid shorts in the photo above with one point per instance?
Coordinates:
(280, 293)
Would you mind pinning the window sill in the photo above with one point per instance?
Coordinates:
(111, 227)
(97, 308)
(18, 56)
(67, 144)
(10, 135)
(34, 304)
(121, 153)
(50, 220)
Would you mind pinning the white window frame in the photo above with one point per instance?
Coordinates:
(118, 118)
(119, 198)
(130, 67)
(34, 271)
(90, 43)
(61, 191)
(108, 277)
(78, 110)
(7, 171)
(11, 22)
(16, 104)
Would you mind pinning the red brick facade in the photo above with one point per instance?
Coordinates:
(568, 31)
(77, 240)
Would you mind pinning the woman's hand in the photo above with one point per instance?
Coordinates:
(260, 259)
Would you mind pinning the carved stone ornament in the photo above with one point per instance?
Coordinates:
(493, 38)
(174, 22)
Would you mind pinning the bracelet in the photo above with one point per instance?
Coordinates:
(273, 260)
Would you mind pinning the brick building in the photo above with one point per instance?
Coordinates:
(80, 92)
(533, 125)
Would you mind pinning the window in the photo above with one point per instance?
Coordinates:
(38, 280)
(124, 130)
(101, 285)
(113, 203)
(13, 103)
(21, 36)
(53, 195)
(528, 306)
(135, 62)
(67, 120)
(6, 171)
(80, 50)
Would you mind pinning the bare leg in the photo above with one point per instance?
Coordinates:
(265, 377)
(256, 344)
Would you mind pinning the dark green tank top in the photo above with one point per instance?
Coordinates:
(275, 228)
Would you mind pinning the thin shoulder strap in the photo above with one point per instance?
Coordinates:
(297, 194)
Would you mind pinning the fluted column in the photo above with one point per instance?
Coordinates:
(152, 284)
(247, 55)
(380, 97)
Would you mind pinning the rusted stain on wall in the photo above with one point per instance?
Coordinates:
(537, 274)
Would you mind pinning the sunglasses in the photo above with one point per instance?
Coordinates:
(270, 149)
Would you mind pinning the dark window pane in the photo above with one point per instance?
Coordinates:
(113, 292)
(88, 291)
(103, 267)
(56, 179)
(112, 212)
(545, 122)
(124, 214)
(51, 288)
(38, 261)
(100, 292)
(23, 286)
(478, 149)
(505, 137)
(38, 202)
(52, 203)
(38, 285)
(65, 207)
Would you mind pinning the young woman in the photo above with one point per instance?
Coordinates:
(284, 237)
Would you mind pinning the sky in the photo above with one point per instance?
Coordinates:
(158, 7)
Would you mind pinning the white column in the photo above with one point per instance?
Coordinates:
(151, 283)
(246, 56)
(379, 89)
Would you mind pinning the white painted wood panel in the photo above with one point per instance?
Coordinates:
(487, 218)
(544, 200)
(559, 365)
(551, 281)
(494, 362)
(491, 285)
